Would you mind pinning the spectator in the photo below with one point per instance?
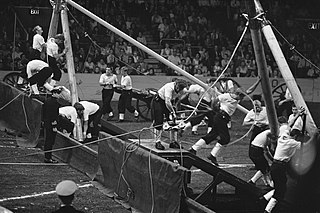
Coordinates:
(166, 51)
(101, 64)
(89, 65)
(141, 38)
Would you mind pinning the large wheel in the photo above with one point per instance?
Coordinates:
(15, 80)
(144, 109)
(278, 93)
(144, 103)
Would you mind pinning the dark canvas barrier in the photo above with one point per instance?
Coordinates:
(134, 186)
(20, 114)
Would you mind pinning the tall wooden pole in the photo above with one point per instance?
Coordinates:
(144, 48)
(53, 29)
(285, 71)
(70, 65)
(255, 26)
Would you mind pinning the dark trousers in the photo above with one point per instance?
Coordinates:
(194, 120)
(95, 120)
(256, 131)
(159, 111)
(125, 102)
(65, 124)
(219, 128)
(41, 77)
(56, 71)
(257, 157)
(50, 137)
(35, 54)
(107, 95)
(279, 177)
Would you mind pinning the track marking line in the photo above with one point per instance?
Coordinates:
(227, 166)
(38, 194)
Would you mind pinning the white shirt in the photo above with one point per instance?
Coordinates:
(286, 147)
(126, 81)
(227, 103)
(37, 42)
(35, 66)
(52, 47)
(199, 90)
(69, 112)
(258, 117)
(167, 91)
(108, 80)
(298, 124)
(89, 109)
(261, 139)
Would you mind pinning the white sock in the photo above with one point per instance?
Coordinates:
(271, 204)
(216, 150)
(269, 195)
(110, 113)
(256, 176)
(158, 135)
(195, 128)
(199, 144)
(187, 126)
(35, 89)
(209, 129)
(173, 136)
(136, 113)
(121, 116)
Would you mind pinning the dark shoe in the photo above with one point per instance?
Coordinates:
(120, 121)
(50, 160)
(194, 133)
(251, 182)
(263, 202)
(175, 145)
(159, 146)
(213, 160)
(192, 151)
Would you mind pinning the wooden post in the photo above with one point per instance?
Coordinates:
(262, 69)
(286, 72)
(70, 66)
(53, 29)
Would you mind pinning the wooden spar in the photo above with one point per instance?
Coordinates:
(263, 72)
(286, 72)
(70, 66)
(144, 48)
(53, 29)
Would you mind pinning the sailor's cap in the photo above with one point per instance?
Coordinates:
(66, 188)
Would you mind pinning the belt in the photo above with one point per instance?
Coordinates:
(280, 162)
(255, 147)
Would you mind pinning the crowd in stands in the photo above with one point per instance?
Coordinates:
(198, 36)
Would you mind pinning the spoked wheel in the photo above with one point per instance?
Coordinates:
(225, 85)
(144, 109)
(14, 79)
(278, 93)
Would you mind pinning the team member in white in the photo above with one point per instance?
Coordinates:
(67, 119)
(228, 104)
(126, 95)
(298, 123)
(161, 107)
(258, 117)
(257, 148)
(89, 112)
(39, 73)
(53, 54)
(107, 81)
(204, 105)
(38, 43)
